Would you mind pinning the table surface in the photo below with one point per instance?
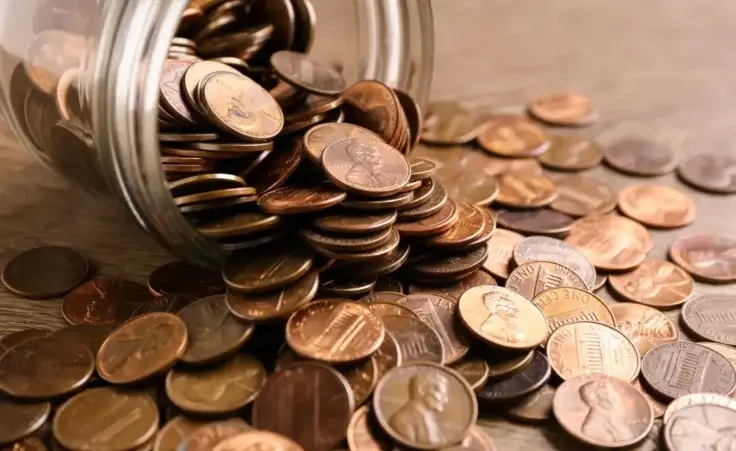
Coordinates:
(661, 68)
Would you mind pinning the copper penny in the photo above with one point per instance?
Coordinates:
(368, 168)
(525, 191)
(700, 427)
(236, 224)
(449, 123)
(572, 153)
(540, 221)
(592, 348)
(565, 108)
(258, 440)
(658, 407)
(437, 198)
(709, 172)
(350, 222)
(195, 73)
(90, 335)
(417, 341)
(422, 194)
(174, 432)
(389, 283)
(600, 281)
(182, 278)
(378, 267)
(317, 388)
(28, 443)
(106, 418)
(503, 365)
(456, 289)
(539, 248)
(681, 368)
(387, 356)
(477, 439)
(106, 301)
(502, 317)
(345, 288)
(422, 168)
(449, 266)
(469, 226)
(568, 305)
(657, 205)
(481, 191)
(277, 304)
(532, 278)
(144, 346)
(216, 148)
(292, 200)
(706, 257)
(365, 434)
(474, 370)
(334, 331)
(202, 183)
(171, 86)
(513, 137)
(49, 54)
(384, 297)
(640, 157)
(534, 408)
(187, 137)
(581, 405)
(306, 74)
(644, 326)
(420, 394)
(500, 251)
(13, 339)
(273, 168)
(435, 224)
(210, 196)
(697, 399)
(63, 269)
(373, 105)
(656, 283)
(218, 390)
(382, 309)
(20, 419)
(276, 267)
(206, 437)
(608, 242)
(317, 138)
(726, 351)
(581, 196)
(518, 385)
(332, 245)
(709, 316)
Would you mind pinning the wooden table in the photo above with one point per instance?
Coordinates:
(661, 68)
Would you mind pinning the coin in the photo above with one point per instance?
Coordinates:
(706, 257)
(477, 440)
(566, 108)
(525, 190)
(469, 226)
(385, 297)
(504, 365)
(272, 169)
(502, 317)
(657, 406)
(518, 385)
(258, 440)
(218, 390)
(656, 283)
(387, 356)
(389, 283)
(105, 301)
(681, 368)
(567, 305)
(422, 168)
(639, 156)
(439, 222)
(449, 123)
(541, 221)
(350, 222)
(144, 346)
(474, 370)
(90, 335)
(106, 418)
(237, 224)
(581, 400)
(697, 399)
(333, 245)
(657, 205)
(294, 199)
(709, 317)
(539, 248)
(20, 420)
(699, 426)
(449, 266)
(182, 278)
(571, 153)
(437, 198)
(306, 74)
(727, 351)
(592, 348)
(364, 433)
(500, 250)
(581, 196)
(416, 340)
(334, 331)
(709, 172)
(29, 443)
(644, 326)
(384, 309)
(206, 437)
(276, 267)
(317, 388)
(174, 432)
(379, 266)
(534, 408)
(373, 105)
(513, 137)
(532, 278)
(317, 138)
(454, 290)
(63, 269)
(341, 288)
(277, 304)
(171, 84)
(608, 242)
(13, 339)
(409, 393)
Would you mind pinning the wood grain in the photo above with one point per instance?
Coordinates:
(660, 68)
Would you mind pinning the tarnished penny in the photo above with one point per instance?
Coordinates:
(306, 74)
(106, 301)
(540, 221)
(350, 222)
(639, 156)
(182, 278)
(106, 418)
(581, 196)
(608, 242)
(532, 278)
(500, 251)
(474, 370)
(294, 199)
(710, 317)
(222, 389)
(319, 390)
(525, 191)
(90, 335)
(539, 248)
(469, 226)
(454, 290)
(682, 368)
(276, 304)
(421, 393)
(258, 440)
(334, 331)
(710, 258)
(449, 266)
(698, 399)
(565, 108)
(583, 404)
(207, 436)
(704, 426)
(513, 137)
(709, 172)
(657, 205)
(592, 348)
(519, 384)
(502, 317)
(13, 339)
(656, 283)
(62, 268)
(317, 138)
(644, 326)
(144, 346)
(21, 419)
(416, 340)
(389, 283)
(447, 123)
(571, 153)
(566, 305)
(174, 432)
(534, 408)
(505, 365)
(276, 267)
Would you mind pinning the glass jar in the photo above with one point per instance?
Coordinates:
(79, 85)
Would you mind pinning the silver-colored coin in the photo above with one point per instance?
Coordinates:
(536, 248)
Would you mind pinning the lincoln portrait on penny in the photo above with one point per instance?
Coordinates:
(503, 320)
(418, 420)
(366, 164)
(603, 422)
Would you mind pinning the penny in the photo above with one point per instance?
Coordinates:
(455, 290)
(658, 407)
(567, 305)
(422, 195)
(699, 427)
(389, 283)
(697, 399)
(524, 190)
(373, 105)
(422, 168)
(49, 54)
(236, 224)
(274, 167)
(581, 196)
(365, 434)
(182, 278)
(29, 443)
(437, 198)
(63, 269)
(513, 137)
(384, 297)
(709, 172)
(378, 267)
(220, 147)
(306, 74)
(187, 137)
(657, 205)
(20, 420)
(90, 335)
(709, 316)
(276, 267)
(349, 222)
(449, 266)
(410, 393)
(592, 348)
(258, 440)
(656, 283)
(474, 370)
(726, 351)
(608, 242)
(706, 257)
(328, 244)
(580, 403)
(541, 221)
(276, 304)
(382, 309)
(174, 432)
(502, 317)
(447, 123)
(318, 389)
(435, 224)
(532, 278)
(518, 385)
(600, 281)
(500, 250)
(106, 301)
(567, 108)
(317, 138)
(334, 331)
(196, 72)
(539, 248)
(477, 440)
(681, 368)
(214, 195)
(341, 288)
(292, 200)
(395, 201)
(469, 226)
(502, 365)
(644, 326)
(639, 156)
(534, 408)
(218, 390)
(571, 153)
(13, 339)
(417, 341)
(171, 84)
(206, 437)
(144, 346)
(367, 168)
(106, 418)
(387, 356)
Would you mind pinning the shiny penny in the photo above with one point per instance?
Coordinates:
(703, 426)
(502, 317)
(63, 269)
(539, 221)
(534, 408)
(435, 224)
(657, 205)
(474, 370)
(447, 123)
(277, 304)
(174, 432)
(525, 190)
(365, 434)
(581, 196)
(697, 399)
(572, 153)
(276, 267)
(519, 384)
(539, 248)
(532, 278)
(607, 242)
(469, 226)
(644, 326)
(406, 394)
(349, 222)
(501, 365)
(500, 251)
(513, 137)
(709, 316)
(639, 156)
(567, 108)
(422, 168)
(373, 105)
(182, 278)
(416, 340)
(449, 266)
(437, 198)
(293, 200)
(272, 169)
(237, 224)
(206, 437)
(317, 138)
(656, 283)
(382, 297)
(456, 289)
(592, 348)
(567, 305)
(710, 258)
(20, 419)
(106, 301)
(306, 74)
(709, 172)
(258, 440)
